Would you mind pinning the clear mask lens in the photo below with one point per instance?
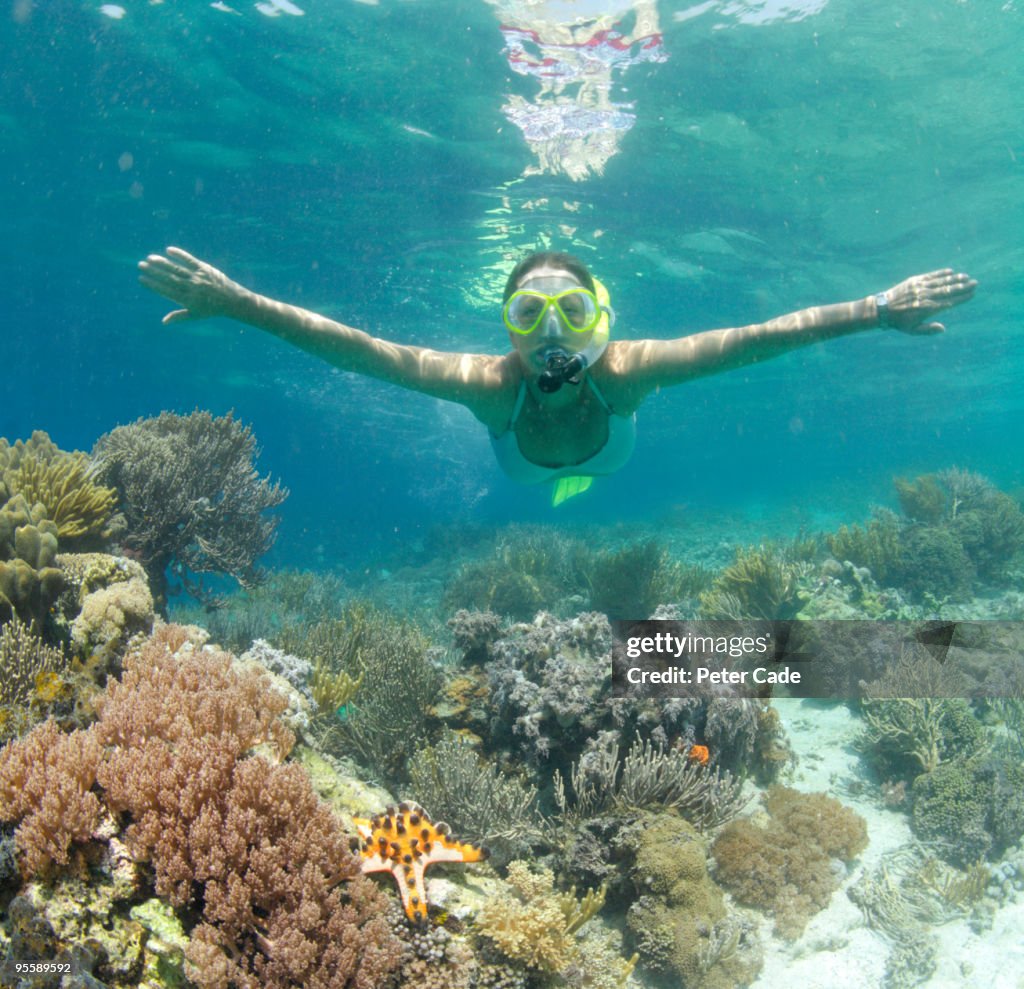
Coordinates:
(577, 309)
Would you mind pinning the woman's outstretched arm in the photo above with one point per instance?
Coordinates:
(203, 291)
(910, 307)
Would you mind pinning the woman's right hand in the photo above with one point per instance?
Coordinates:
(199, 288)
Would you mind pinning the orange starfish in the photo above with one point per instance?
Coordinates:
(404, 841)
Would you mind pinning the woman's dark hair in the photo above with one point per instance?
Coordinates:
(554, 259)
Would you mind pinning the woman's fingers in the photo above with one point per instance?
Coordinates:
(184, 257)
(949, 287)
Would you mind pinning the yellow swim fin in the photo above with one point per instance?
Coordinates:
(568, 487)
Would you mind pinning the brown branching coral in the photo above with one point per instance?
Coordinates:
(272, 857)
(173, 692)
(191, 496)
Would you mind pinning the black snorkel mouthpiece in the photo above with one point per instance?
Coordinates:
(561, 368)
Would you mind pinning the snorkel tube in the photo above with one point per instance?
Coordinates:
(563, 366)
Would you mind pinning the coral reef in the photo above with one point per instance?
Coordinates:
(747, 735)
(191, 497)
(876, 546)
(80, 924)
(437, 960)
(29, 581)
(476, 797)
(932, 560)
(25, 661)
(905, 895)
(786, 866)
(971, 808)
(292, 669)
(386, 721)
(480, 801)
(908, 736)
(529, 569)
(441, 958)
(533, 570)
(241, 840)
(287, 600)
(631, 581)
(759, 583)
(922, 499)
(539, 928)
(332, 691)
(114, 603)
(548, 683)
(988, 522)
(62, 483)
(956, 529)
(463, 704)
(649, 776)
(678, 918)
(473, 633)
(1010, 711)
(46, 780)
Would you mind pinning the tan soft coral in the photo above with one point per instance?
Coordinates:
(238, 837)
(209, 699)
(786, 867)
(45, 784)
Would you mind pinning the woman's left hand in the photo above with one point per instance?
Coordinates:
(914, 302)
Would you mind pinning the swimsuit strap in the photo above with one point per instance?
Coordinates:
(599, 396)
(518, 407)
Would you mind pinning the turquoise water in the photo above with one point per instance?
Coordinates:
(356, 160)
(386, 163)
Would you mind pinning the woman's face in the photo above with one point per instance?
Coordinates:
(553, 333)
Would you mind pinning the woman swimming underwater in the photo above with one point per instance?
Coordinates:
(561, 406)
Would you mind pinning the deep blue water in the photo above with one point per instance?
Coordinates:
(356, 160)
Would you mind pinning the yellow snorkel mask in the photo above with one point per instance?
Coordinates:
(570, 325)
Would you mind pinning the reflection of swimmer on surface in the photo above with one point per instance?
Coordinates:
(575, 44)
(561, 406)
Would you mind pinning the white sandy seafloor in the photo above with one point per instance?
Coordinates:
(838, 948)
